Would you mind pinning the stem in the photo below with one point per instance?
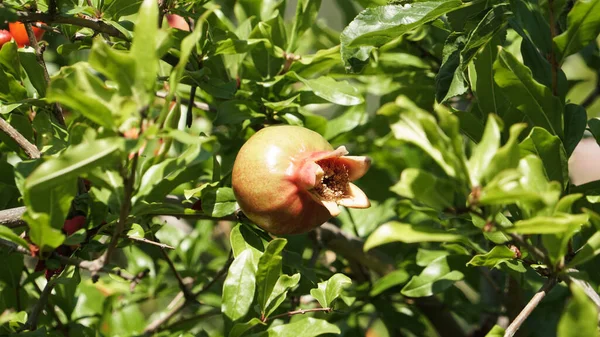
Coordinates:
(182, 284)
(297, 312)
(94, 24)
(150, 242)
(198, 105)
(30, 150)
(34, 315)
(57, 110)
(533, 303)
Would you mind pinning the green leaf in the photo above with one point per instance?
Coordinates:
(239, 329)
(328, 291)
(117, 65)
(218, 202)
(34, 70)
(7, 234)
(241, 239)
(594, 127)
(580, 316)
(279, 293)
(401, 232)
(424, 187)
(575, 123)
(239, 286)
(436, 277)
(550, 149)
(144, 46)
(497, 331)
(583, 26)
(558, 223)
(73, 162)
(485, 151)
(308, 327)
(346, 122)
(236, 111)
(306, 14)
(338, 92)
(493, 258)
(591, 248)
(377, 26)
(268, 272)
(390, 280)
(450, 79)
(531, 98)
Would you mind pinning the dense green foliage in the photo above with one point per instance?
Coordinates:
(470, 111)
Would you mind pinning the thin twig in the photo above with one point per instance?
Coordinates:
(150, 242)
(297, 312)
(535, 251)
(39, 56)
(128, 181)
(34, 315)
(533, 303)
(182, 285)
(30, 150)
(49, 305)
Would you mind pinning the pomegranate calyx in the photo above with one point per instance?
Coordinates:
(327, 176)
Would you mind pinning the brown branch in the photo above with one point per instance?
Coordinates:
(94, 24)
(34, 315)
(39, 56)
(533, 303)
(30, 150)
(297, 312)
(11, 217)
(184, 286)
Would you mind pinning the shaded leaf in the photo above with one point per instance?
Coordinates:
(401, 232)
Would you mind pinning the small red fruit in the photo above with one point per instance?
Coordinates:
(5, 36)
(289, 180)
(17, 29)
(73, 225)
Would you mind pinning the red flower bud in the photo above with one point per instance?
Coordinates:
(289, 180)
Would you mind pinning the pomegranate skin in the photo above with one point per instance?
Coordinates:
(274, 175)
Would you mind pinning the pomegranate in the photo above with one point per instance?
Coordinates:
(289, 180)
(73, 225)
(5, 36)
(17, 29)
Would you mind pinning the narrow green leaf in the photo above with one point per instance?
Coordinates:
(401, 232)
(144, 47)
(531, 98)
(591, 248)
(583, 26)
(239, 286)
(388, 281)
(580, 316)
(485, 151)
(308, 327)
(550, 149)
(436, 277)
(279, 293)
(497, 331)
(239, 329)
(338, 92)
(306, 14)
(435, 192)
(493, 258)
(7, 234)
(269, 271)
(558, 223)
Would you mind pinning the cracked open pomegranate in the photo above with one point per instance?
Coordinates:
(289, 180)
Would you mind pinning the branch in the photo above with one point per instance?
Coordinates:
(34, 315)
(30, 150)
(533, 303)
(199, 105)
(57, 110)
(184, 286)
(94, 24)
(11, 217)
(150, 242)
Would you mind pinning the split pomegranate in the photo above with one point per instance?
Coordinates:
(289, 179)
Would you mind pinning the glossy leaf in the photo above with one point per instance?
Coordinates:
(493, 258)
(308, 327)
(280, 290)
(435, 278)
(328, 291)
(239, 286)
(435, 192)
(376, 26)
(591, 248)
(579, 316)
(550, 149)
(338, 92)
(268, 272)
(531, 98)
(583, 26)
(402, 232)
(559, 223)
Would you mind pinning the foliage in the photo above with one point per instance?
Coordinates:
(469, 109)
